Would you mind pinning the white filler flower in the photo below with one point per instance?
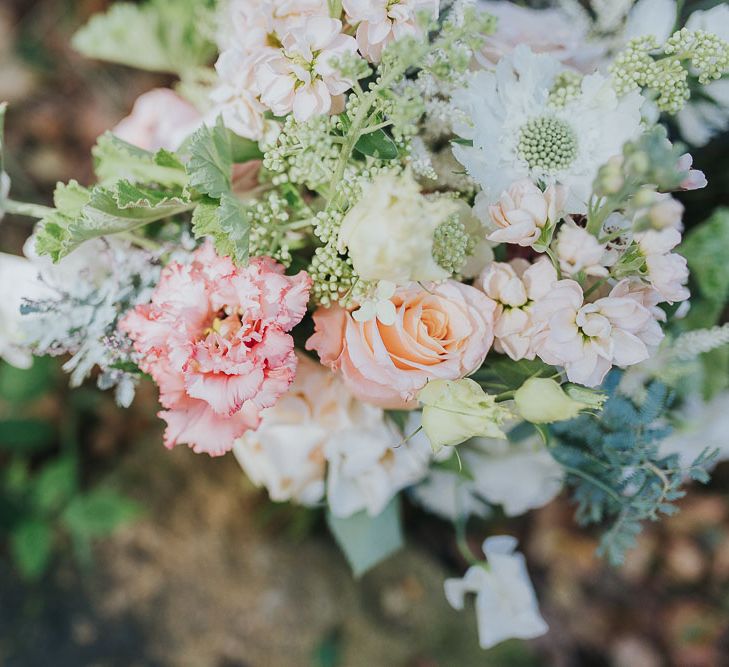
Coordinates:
(517, 133)
(506, 605)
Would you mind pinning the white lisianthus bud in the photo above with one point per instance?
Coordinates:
(543, 401)
(389, 233)
(456, 410)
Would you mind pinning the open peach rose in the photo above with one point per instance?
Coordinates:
(443, 332)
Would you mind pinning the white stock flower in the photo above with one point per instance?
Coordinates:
(522, 211)
(667, 272)
(518, 134)
(589, 338)
(319, 439)
(380, 22)
(301, 76)
(19, 280)
(389, 232)
(515, 287)
(506, 605)
(519, 476)
(579, 251)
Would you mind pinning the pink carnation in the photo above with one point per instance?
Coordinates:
(214, 340)
(443, 333)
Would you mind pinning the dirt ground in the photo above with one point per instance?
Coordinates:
(214, 575)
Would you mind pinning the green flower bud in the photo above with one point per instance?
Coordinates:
(543, 401)
(454, 411)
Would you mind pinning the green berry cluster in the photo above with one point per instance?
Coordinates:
(548, 144)
(452, 244)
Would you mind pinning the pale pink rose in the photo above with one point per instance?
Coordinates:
(214, 340)
(695, 179)
(522, 212)
(160, 118)
(235, 98)
(444, 332)
(551, 31)
(667, 272)
(515, 288)
(301, 76)
(579, 251)
(380, 22)
(589, 338)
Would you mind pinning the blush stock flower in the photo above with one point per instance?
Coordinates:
(589, 338)
(443, 332)
(514, 288)
(214, 340)
(380, 22)
(667, 271)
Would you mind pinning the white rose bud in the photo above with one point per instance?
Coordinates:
(457, 410)
(389, 233)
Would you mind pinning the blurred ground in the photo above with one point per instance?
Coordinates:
(214, 575)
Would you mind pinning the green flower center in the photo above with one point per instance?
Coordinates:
(548, 144)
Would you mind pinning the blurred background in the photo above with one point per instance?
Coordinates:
(114, 551)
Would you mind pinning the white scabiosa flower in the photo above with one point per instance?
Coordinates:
(506, 605)
(517, 134)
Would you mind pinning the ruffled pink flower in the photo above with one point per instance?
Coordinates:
(442, 333)
(579, 251)
(160, 118)
(214, 340)
(301, 76)
(380, 22)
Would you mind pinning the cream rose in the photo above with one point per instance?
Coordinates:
(444, 333)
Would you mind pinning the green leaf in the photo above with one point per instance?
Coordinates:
(121, 208)
(31, 543)
(70, 198)
(115, 159)
(54, 485)
(377, 144)
(500, 374)
(98, 513)
(22, 386)
(226, 223)
(366, 540)
(211, 160)
(25, 436)
(244, 150)
(706, 248)
(160, 35)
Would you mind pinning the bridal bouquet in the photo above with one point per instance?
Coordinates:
(403, 248)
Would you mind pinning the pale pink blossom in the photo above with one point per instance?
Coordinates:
(235, 98)
(552, 31)
(589, 338)
(695, 179)
(579, 251)
(160, 118)
(443, 332)
(666, 212)
(301, 77)
(522, 212)
(667, 272)
(214, 338)
(380, 22)
(250, 25)
(515, 287)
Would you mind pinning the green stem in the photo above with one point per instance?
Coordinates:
(31, 210)
(141, 241)
(462, 543)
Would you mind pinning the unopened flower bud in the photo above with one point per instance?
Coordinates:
(543, 401)
(456, 410)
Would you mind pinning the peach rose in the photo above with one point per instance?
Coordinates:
(444, 332)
